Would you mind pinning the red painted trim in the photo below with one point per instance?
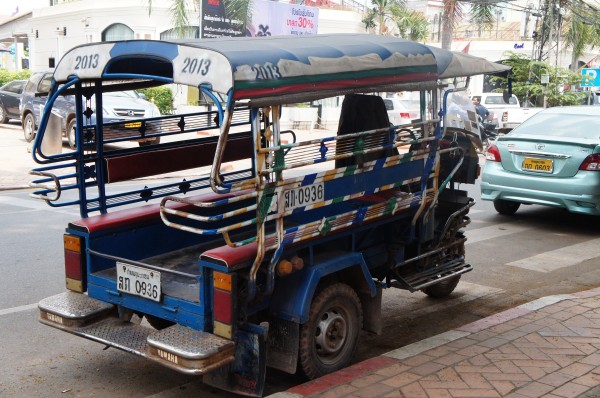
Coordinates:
(343, 376)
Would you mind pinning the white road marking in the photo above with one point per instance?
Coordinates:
(20, 308)
(493, 231)
(560, 258)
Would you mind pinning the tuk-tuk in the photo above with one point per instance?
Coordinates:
(238, 241)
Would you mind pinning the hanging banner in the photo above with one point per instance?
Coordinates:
(271, 18)
(214, 22)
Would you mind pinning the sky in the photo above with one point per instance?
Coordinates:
(8, 7)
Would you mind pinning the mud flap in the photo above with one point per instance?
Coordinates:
(246, 374)
(284, 337)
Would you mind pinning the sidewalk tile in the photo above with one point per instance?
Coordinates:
(427, 368)
(593, 359)
(577, 369)
(571, 390)
(503, 387)
(374, 390)
(556, 379)
(590, 380)
(534, 372)
(450, 359)
(401, 379)
(535, 389)
(414, 390)
(438, 393)
(475, 393)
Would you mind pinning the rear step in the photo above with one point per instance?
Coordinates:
(183, 349)
(434, 275)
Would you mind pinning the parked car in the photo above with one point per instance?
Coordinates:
(552, 159)
(397, 112)
(117, 106)
(10, 99)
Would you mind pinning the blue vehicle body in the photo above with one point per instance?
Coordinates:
(301, 233)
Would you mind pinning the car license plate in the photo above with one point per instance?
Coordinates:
(133, 125)
(138, 281)
(539, 165)
(304, 196)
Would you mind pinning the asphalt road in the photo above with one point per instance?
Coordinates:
(538, 252)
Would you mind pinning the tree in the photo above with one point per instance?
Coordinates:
(578, 36)
(527, 84)
(380, 14)
(482, 13)
(412, 24)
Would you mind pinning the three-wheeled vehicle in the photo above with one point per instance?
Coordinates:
(238, 243)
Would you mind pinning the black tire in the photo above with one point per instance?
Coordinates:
(328, 339)
(3, 116)
(29, 127)
(442, 289)
(71, 133)
(158, 323)
(506, 207)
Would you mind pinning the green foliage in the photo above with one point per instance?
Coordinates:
(412, 24)
(527, 86)
(162, 97)
(8, 76)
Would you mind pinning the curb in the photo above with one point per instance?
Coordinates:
(393, 357)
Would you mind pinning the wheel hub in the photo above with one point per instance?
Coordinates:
(331, 333)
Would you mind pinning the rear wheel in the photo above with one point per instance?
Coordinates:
(29, 127)
(506, 207)
(71, 133)
(328, 340)
(3, 117)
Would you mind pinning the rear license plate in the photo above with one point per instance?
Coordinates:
(133, 125)
(539, 165)
(138, 281)
(304, 196)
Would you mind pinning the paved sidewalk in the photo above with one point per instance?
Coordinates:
(15, 159)
(547, 348)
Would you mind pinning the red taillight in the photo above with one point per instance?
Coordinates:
(493, 154)
(223, 304)
(405, 115)
(591, 163)
(74, 264)
(505, 116)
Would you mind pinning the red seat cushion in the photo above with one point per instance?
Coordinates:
(141, 214)
(231, 257)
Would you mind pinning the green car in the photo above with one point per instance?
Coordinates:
(551, 159)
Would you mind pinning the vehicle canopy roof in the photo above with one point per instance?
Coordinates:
(276, 69)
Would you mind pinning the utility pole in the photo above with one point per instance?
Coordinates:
(546, 46)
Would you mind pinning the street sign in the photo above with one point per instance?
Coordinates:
(593, 77)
